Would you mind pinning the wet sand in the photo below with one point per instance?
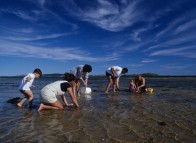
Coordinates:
(166, 116)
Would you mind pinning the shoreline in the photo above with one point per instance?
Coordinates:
(102, 75)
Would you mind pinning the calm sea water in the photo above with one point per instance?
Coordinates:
(166, 116)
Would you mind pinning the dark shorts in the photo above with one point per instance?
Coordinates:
(143, 89)
(22, 91)
(107, 74)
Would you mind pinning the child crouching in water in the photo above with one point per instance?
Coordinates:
(132, 87)
(25, 85)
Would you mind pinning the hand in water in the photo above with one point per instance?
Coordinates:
(71, 105)
(85, 85)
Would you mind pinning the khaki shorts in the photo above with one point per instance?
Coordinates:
(47, 96)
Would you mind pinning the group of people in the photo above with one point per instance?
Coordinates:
(71, 84)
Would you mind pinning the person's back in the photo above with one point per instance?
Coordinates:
(55, 87)
(77, 71)
(117, 70)
(81, 72)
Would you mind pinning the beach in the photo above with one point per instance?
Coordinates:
(168, 115)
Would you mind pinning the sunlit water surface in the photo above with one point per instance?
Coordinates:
(166, 116)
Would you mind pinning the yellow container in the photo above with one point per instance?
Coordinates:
(150, 90)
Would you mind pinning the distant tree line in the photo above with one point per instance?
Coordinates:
(149, 74)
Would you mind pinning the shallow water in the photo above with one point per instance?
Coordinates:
(166, 116)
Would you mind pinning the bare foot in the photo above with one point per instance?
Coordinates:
(41, 107)
(78, 94)
(19, 105)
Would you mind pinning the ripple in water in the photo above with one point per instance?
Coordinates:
(167, 115)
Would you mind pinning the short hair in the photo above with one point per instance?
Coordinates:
(38, 71)
(87, 68)
(137, 77)
(125, 70)
(69, 77)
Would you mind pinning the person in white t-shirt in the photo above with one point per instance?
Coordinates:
(113, 74)
(50, 92)
(81, 72)
(26, 84)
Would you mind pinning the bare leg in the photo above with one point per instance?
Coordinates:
(51, 106)
(30, 102)
(114, 84)
(78, 88)
(74, 88)
(28, 95)
(117, 84)
(21, 102)
(108, 84)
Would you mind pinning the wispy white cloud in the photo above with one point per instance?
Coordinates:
(30, 34)
(177, 38)
(25, 30)
(60, 19)
(108, 15)
(8, 48)
(140, 45)
(148, 61)
(136, 34)
(135, 65)
(170, 27)
(12, 31)
(186, 26)
(42, 2)
(174, 41)
(33, 38)
(175, 67)
(178, 25)
(25, 15)
(185, 52)
(40, 15)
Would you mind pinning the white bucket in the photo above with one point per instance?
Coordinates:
(87, 91)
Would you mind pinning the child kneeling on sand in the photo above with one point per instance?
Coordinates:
(50, 92)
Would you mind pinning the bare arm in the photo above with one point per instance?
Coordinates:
(84, 81)
(113, 72)
(73, 98)
(64, 100)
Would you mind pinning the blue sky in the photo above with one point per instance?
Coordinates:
(55, 35)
